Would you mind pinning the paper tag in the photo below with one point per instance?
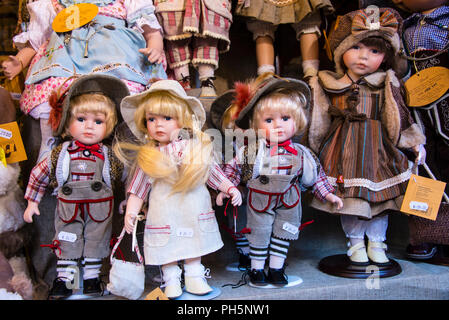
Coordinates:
(184, 232)
(156, 294)
(290, 228)
(2, 157)
(427, 86)
(75, 16)
(11, 142)
(67, 236)
(423, 197)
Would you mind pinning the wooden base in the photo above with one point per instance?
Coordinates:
(340, 266)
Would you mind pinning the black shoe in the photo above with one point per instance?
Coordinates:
(257, 276)
(244, 262)
(277, 276)
(422, 251)
(93, 286)
(60, 289)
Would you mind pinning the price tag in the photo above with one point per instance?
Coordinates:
(427, 86)
(184, 232)
(75, 16)
(67, 236)
(11, 142)
(290, 228)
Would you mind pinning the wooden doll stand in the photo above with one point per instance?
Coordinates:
(340, 266)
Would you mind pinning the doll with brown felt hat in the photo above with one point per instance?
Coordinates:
(360, 127)
(425, 39)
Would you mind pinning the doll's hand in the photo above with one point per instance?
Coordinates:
(236, 196)
(332, 198)
(154, 55)
(130, 220)
(12, 67)
(420, 153)
(32, 209)
(220, 197)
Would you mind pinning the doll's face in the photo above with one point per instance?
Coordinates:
(88, 127)
(420, 5)
(278, 126)
(162, 128)
(362, 60)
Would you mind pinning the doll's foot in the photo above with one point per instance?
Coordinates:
(257, 277)
(93, 287)
(357, 254)
(60, 289)
(172, 281)
(208, 88)
(185, 83)
(277, 276)
(244, 262)
(376, 252)
(195, 279)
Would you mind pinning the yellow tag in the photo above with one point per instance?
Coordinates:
(75, 16)
(2, 157)
(427, 86)
(327, 46)
(423, 197)
(11, 142)
(156, 294)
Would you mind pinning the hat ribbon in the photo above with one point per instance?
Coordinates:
(387, 23)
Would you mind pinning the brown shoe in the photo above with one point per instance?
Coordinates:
(421, 251)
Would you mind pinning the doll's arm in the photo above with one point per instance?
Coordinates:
(30, 211)
(133, 207)
(155, 45)
(332, 198)
(15, 64)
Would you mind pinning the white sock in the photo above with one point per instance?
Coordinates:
(205, 71)
(91, 268)
(276, 262)
(257, 264)
(265, 68)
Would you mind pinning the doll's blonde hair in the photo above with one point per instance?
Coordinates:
(194, 169)
(94, 103)
(285, 101)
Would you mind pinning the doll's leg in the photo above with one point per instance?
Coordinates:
(205, 60)
(278, 254)
(42, 112)
(308, 33)
(354, 229)
(178, 57)
(195, 277)
(376, 232)
(171, 274)
(263, 35)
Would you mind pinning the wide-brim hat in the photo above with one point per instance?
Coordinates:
(357, 25)
(218, 108)
(267, 87)
(109, 86)
(130, 104)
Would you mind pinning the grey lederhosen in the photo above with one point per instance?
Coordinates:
(84, 213)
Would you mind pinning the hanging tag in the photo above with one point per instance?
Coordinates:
(11, 142)
(423, 197)
(75, 16)
(156, 294)
(327, 46)
(427, 86)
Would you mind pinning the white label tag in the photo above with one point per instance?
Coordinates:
(67, 236)
(290, 228)
(420, 206)
(184, 232)
(5, 134)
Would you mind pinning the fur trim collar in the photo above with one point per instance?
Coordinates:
(335, 82)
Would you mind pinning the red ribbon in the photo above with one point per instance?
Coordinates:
(54, 246)
(112, 244)
(286, 145)
(94, 148)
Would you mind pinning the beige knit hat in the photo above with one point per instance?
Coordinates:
(361, 24)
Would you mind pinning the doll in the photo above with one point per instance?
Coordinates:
(425, 38)
(359, 127)
(275, 109)
(195, 32)
(82, 171)
(173, 167)
(264, 17)
(114, 43)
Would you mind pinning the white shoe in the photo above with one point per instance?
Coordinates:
(195, 279)
(171, 275)
(357, 253)
(376, 252)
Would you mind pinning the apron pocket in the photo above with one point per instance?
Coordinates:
(207, 222)
(259, 202)
(67, 211)
(100, 210)
(293, 197)
(157, 236)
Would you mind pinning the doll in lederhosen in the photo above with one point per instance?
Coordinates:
(82, 171)
(275, 170)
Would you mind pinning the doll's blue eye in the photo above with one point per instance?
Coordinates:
(80, 119)
(168, 118)
(356, 47)
(98, 122)
(268, 120)
(285, 118)
(150, 119)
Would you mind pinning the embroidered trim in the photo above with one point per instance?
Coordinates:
(282, 3)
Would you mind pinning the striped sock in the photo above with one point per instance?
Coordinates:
(242, 244)
(279, 247)
(91, 268)
(66, 269)
(258, 253)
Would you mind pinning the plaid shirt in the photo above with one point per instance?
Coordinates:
(431, 35)
(140, 184)
(40, 175)
(320, 189)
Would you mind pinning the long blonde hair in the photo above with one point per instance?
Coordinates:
(194, 167)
